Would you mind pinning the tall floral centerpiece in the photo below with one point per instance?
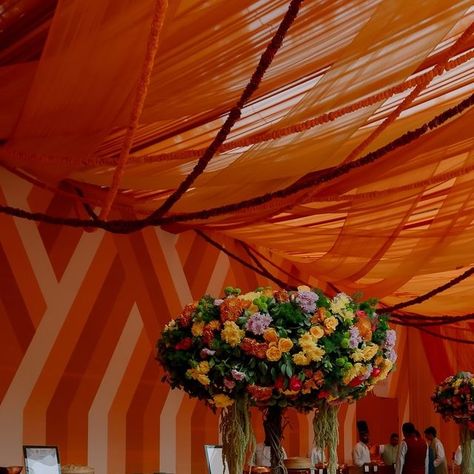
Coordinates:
(276, 349)
(454, 400)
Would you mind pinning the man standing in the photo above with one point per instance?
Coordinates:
(361, 452)
(389, 451)
(436, 456)
(412, 454)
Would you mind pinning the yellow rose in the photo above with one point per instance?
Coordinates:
(337, 306)
(317, 332)
(339, 303)
(347, 314)
(249, 296)
(300, 359)
(273, 354)
(204, 379)
(197, 328)
(353, 372)
(285, 344)
(268, 292)
(315, 353)
(232, 334)
(369, 351)
(386, 368)
(304, 288)
(306, 341)
(221, 401)
(252, 309)
(270, 335)
(330, 324)
(203, 367)
(191, 373)
(357, 355)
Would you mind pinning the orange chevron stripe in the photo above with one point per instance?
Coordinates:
(81, 379)
(35, 410)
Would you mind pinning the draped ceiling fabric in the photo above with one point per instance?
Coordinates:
(395, 228)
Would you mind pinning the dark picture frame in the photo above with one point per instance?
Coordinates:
(41, 459)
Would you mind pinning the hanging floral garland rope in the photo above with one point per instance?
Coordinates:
(276, 349)
(435, 291)
(123, 226)
(235, 113)
(257, 138)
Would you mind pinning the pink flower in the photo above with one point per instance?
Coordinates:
(239, 376)
(230, 384)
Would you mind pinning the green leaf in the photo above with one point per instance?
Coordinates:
(262, 367)
(289, 370)
(283, 369)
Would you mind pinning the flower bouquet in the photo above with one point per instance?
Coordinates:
(276, 349)
(453, 399)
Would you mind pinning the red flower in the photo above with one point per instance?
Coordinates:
(323, 394)
(355, 382)
(295, 383)
(207, 335)
(254, 348)
(184, 345)
(185, 318)
(375, 372)
(279, 382)
(260, 394)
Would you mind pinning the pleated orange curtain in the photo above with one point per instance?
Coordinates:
(83, 83)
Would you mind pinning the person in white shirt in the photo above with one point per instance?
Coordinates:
(389, 451)
(436, 455)
(361, 452)
(317, 456)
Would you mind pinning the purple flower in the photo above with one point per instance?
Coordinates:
(307, 301)
(258, 322)
(354, 337)
(237, 375)
(390, 340)
(218, 302)
(230, 384)
(368, 372)
(207, 353)
(391, 355)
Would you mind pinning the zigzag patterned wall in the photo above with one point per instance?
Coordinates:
(80, 314)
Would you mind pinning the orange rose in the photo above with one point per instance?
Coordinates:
(273, 354)
(364, 325)
(270, 335)
(285, 344)
(317, 332)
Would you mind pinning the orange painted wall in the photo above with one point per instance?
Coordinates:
(79, 316)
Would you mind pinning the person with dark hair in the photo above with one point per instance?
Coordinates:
(361, 451)
(437, 463)
(412, 455)
(389, 451)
